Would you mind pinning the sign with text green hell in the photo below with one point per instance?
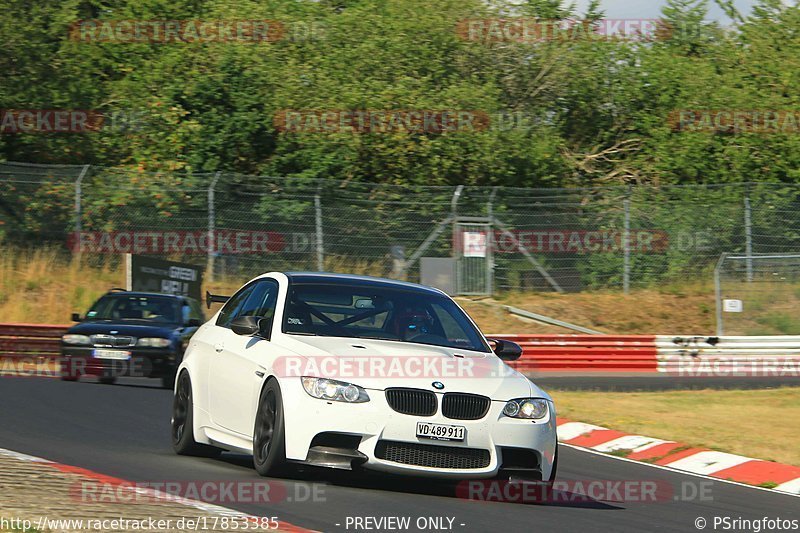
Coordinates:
(148, 274)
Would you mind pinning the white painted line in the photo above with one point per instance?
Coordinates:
(23, 456)
(708, 462)
(792, 487)
(629, 442)
(674, 470)
(571, 430)
(656, 442)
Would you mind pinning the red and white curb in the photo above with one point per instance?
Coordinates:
(728, 466)
(151, 493)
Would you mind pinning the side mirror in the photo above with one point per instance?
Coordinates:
(506, 350)
(246, 325)
(76, 317)
(194, 323)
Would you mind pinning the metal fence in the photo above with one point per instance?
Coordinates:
(499, 238)
(758, 294)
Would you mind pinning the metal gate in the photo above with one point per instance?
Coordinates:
(472, 248)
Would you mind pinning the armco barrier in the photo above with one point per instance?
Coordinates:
(591, 353)
(764, 355)
(541, 353)
(30, 340)
(29, 349)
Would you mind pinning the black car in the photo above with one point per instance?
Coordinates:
(126, 333)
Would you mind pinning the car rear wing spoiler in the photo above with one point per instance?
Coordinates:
(211, 298)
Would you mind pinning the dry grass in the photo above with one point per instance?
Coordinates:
(46, 285)
(755, 423)
(645, 311)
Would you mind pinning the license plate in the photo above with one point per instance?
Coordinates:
(427, 430)
(120, 355)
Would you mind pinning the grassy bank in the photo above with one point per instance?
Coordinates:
(755, 423)
(46, 285)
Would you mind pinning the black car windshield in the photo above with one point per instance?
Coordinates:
(130, 307)
(370, 312)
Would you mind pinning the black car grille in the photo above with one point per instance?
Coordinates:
(412, 401)
(465, 406)
(115, 341)
(409, 453)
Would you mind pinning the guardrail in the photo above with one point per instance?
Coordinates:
(674, 354)
(30, 340)
(549, 353)
(30, 349)
(763, 355)
(596, 353)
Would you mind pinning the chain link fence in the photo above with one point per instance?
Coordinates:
(757, 294)
(499, 238)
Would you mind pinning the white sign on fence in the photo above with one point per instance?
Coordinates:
(732, 306)
(474, 244)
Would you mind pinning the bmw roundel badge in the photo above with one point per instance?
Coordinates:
(438, 385)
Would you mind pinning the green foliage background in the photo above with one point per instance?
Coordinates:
(591, 117)
(596, 110)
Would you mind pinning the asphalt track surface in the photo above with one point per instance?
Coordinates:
(123, 431)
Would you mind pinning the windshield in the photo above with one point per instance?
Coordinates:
(127, 307)
(379, 313)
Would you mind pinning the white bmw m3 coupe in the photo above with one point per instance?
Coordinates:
(351, 372)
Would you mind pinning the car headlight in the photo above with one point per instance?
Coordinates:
(528, 408)
(71, 338)
(153, 342)
(338, 391)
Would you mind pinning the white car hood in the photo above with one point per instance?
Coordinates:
(380, 364)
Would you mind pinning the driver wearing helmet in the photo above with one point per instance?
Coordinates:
(413, 322)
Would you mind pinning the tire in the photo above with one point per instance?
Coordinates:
(269, 437)
(107, 380)
(182, 428)
(168, 381)
(67, 369)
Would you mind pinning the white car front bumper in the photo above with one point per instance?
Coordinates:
(389, 441)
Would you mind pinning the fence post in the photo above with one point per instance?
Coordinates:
(718, 292)
(626, 243)
(78, 206)
(212, 248)
(453, 239)
(490, 244)
(320, 244)
(748, 234)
